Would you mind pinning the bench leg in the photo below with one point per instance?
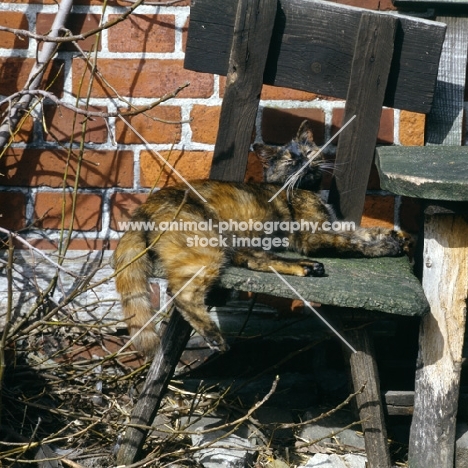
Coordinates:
(173, 342)
(445, 282)
(369, 402)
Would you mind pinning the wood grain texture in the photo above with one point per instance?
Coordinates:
(445, 280)
(356, 145)
(380, 284)
(319, 58)
(252, 32)
(429, 172)
(444, 122)
(369, 402)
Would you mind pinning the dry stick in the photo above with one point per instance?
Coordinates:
(88, 113)
(34, 249)
(9, 274)
(55, 39)
(36, 75)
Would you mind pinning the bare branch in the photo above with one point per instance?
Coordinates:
(36, 75)
(88, 113)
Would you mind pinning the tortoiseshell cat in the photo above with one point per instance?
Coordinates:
(182, 254)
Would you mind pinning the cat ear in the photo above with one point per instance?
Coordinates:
(305, 133)
(265, 153)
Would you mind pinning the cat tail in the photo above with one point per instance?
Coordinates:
(133, 268)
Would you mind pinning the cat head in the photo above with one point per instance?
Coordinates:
(283, 162)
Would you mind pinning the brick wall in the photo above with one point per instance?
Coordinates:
(139, 60)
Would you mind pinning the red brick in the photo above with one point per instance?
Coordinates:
(63, 124)
(152, 126)
(151, 78)
(14, 20)
(48, 211)
(275, 92)
(143, 33)
(370, 4)
(114, 2)
(14, 72)
(77, 23)
(378, 211)
(280, 125)
(412, 127)
(205, 123)
(75, 244)
(191, 164)
(123, 205)
(385, 134)
(410, 214)
(12, 210)
(278, 93)
(39, 167)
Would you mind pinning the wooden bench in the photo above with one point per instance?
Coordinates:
(371, 59)
(438, 174)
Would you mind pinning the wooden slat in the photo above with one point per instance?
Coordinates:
(368, 81)
(381, 284)
(313, 49)
(429, 172)
(444, 122)
(252, 33)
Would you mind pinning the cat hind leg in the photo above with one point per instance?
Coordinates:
(260, 260)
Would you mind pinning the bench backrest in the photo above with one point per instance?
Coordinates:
(370, 58)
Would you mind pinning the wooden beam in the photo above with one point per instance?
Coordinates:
(313, 45)
(252, 32)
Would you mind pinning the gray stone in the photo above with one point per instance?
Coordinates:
(224, 451)
(321, 460)
(461, 450)
(325, 428)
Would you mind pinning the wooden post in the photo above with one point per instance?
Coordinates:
(445, 281)
(369, 402)
(445, 278)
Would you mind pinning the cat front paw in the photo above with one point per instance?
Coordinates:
(405, 241)
(312, 268)
(396, 243)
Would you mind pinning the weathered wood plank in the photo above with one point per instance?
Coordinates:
(444, 122)
(252, 33)
(312, 49)
(371, 65)
(445, 280)
(429, 172)
(369, 402)
(380, 284)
